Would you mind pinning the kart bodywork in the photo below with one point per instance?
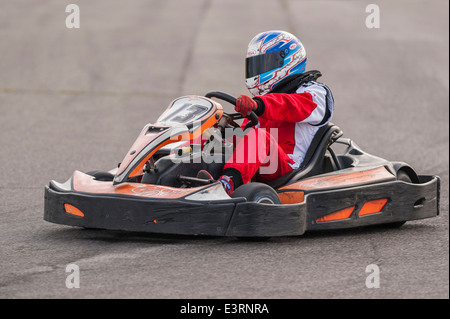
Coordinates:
(155, 188)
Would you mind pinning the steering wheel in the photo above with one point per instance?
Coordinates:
(252, 117)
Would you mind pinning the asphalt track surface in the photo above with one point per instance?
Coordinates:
(77, 98)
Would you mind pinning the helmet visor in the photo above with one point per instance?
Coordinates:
(259, 64)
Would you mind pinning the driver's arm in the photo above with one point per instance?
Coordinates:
(296, 107)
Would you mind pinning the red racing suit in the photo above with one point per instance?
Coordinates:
(287, 125)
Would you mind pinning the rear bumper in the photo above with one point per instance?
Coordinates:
(405, 202)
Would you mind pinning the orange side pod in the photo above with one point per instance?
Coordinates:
(70, 209)
(370, 207)
(373, 206)
(342, 214)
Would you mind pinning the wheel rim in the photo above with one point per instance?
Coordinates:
(265, 200)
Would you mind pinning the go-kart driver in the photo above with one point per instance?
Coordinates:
(286, 98)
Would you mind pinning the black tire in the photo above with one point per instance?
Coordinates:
(101, 175)
(404, 177)
(257, 193)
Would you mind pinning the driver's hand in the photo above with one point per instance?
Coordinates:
(245, 105)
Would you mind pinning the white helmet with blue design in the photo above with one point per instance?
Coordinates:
(271, 57)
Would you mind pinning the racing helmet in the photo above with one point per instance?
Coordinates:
(271, 57)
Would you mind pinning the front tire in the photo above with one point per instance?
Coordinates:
(257, 193)
(101, 175)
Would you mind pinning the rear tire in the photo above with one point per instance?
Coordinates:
(404, 177)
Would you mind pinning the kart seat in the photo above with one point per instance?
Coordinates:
(314, 157)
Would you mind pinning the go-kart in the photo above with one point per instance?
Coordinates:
(155, 188)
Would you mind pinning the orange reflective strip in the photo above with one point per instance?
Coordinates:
(70, 209)
(373, 206)
(342, 214)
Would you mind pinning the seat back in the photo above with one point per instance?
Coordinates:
(314, 157)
